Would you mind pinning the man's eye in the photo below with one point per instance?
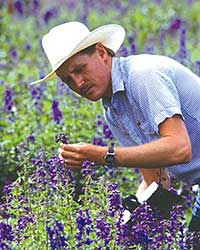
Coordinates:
(79, 69)
(67, 80)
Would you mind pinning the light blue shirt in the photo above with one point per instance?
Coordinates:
(146, 90)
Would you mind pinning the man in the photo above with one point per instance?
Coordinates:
(151, 104)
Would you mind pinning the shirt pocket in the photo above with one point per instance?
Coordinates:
(146, 128)
(144, 125)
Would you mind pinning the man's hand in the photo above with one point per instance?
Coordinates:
(74, 155)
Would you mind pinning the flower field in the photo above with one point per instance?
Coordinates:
(43, 205)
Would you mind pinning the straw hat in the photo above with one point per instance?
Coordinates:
(65, 40)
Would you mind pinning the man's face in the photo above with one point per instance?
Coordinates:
(89, 75)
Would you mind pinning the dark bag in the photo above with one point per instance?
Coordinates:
(161, 199)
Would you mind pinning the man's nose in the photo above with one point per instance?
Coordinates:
(78, 80)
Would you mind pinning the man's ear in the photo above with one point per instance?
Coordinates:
(100, 49)
(102, 52)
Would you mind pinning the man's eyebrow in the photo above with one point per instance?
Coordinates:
(64, 76)
(76, 66)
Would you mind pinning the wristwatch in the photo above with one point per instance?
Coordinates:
(110, 155)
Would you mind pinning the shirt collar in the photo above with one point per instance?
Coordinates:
(117, 81)
(116, 76)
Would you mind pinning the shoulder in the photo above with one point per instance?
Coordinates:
(145, 62)
(145, 67)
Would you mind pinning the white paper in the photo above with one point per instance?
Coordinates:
(147, 193)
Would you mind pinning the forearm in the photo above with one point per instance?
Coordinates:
(173, 147)
(157, 154)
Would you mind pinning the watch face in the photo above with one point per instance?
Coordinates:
(110, 158)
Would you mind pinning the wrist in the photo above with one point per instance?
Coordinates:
(109, 158)
(99, 154)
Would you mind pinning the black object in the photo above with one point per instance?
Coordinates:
(110, 155)
(130, 203)
(163, 200)
(194, 225)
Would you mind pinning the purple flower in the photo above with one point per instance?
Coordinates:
(98, 141)
(99, 120)
(23, 222)
(182, 55)
(27, 46)
(87, 169)
(56, 113)
(4, 210)
(56, 235)
(13, 53)
(7, 189)
(30, 139)
(56, 172)
(49, 14)
(41, 74)
(186, 192)
(35, 5)
(4, 246)
(197, 66)
(61, 137)
(36, 95)
(85, 12)
(114, 199)
(190, 2)
(103, 231)
(84, 228)
(6, 233)
(158, 1)
(49, 173)
(183, 37)
(19, 7)
(107, 132)
(132, 44)
(8, 100)
(114, 203)
(123, 51)
(123, 178)
(175, 24)
(112, 187)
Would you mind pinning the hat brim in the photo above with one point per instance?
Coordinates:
(110, 35)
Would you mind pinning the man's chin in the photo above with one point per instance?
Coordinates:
(93, 99)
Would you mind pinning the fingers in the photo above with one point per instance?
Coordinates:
(70, 147)
(74, 151)
(70, 160)
(73, 154)
(72, 164)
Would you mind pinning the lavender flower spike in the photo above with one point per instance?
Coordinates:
(56, 113)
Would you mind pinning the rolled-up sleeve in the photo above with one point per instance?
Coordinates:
(157, 97)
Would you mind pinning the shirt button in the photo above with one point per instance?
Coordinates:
(138, 123)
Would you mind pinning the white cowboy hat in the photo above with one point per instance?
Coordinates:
(65, 40)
